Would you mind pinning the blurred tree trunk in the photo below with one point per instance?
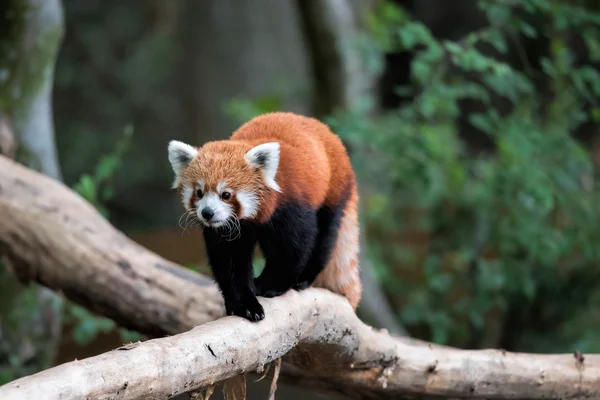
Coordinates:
(331, 29)
(30, 35)
(239, 48)
(169, 68)
(342, 80)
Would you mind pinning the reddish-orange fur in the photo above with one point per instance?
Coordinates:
(314, 169)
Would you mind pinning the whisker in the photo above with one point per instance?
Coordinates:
(191, 221)
(180, 218)
(234, 227)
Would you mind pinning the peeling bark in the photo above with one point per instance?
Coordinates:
(52, 236)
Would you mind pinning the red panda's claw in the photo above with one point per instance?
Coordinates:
(249, 309)
(255, 313)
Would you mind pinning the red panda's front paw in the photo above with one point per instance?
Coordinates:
(249, 308)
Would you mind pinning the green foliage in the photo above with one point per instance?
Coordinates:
(510, 232)
(87, 326)
(242, 110)
(96, 188)
(123, 67)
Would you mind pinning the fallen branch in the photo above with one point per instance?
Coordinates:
(198, 358)
(332, 341)
(50, 235)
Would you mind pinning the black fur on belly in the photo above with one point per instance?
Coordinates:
(296, 241)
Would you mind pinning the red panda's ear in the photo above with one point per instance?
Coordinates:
(266, 157)
(180, 156)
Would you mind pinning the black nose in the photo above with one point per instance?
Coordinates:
(207, 213)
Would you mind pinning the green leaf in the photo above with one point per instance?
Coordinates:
(496, 39)
(482, 122)
(129, 336)
(528, 30)
(106, 168)
(87, 188)
(452, 47)
(421, 71)
(440, 283)
(498, 14)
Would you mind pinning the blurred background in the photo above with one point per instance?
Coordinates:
(473, 127)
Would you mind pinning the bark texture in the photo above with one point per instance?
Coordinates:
(330, 342)
(50, 235)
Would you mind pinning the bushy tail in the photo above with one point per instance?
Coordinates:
(341, 275)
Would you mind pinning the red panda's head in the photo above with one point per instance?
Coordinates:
(224, 180)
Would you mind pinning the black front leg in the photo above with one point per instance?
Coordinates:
(231, 263)
(287, 241)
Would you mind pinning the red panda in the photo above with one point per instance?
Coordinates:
(283, 181)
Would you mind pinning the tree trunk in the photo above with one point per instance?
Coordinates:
(248, 48)
(30, 35)
(342, 80)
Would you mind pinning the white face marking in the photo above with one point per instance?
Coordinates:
(212, 201)
(186, 194)
(249, 203)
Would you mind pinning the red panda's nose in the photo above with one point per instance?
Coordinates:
(207, 213)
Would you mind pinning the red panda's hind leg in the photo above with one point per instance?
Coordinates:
(328, 220)
(286, 240)
(341, 275)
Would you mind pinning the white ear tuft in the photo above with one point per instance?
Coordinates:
(180, 156)
(266, 157)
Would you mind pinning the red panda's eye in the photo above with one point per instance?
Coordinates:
(226, 195)
(199, 193)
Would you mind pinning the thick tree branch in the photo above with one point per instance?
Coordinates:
(331, 342)
(51, 236)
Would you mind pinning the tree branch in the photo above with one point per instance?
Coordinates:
(52, 236)
(322, 334)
